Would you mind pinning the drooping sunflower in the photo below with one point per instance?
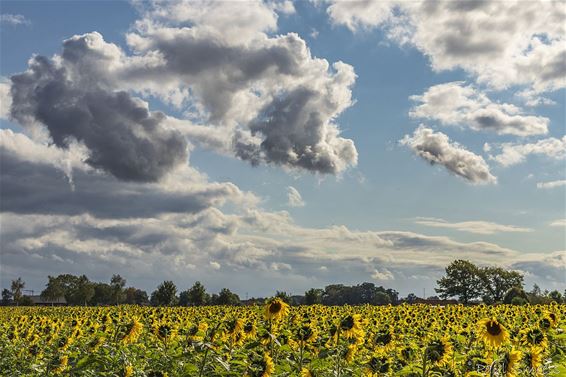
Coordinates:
(378, 365)
(61, 364)
(276, 309)
(268, 366)
(492, 333)
(509, 362)
(533, 358)
(133, 331)
(439, 351)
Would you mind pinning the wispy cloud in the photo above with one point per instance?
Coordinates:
(14, 19)
(551, 184)
(477, 227)
(294, 198)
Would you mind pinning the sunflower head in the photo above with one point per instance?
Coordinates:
(492, 332)
(276, 309)
(438, 351)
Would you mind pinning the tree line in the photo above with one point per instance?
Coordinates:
(463, 280)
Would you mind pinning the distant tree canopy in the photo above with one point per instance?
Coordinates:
(468, 282)
(365, 293)
(463, 280)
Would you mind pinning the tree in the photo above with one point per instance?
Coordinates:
(196, 295)
(496, 281)
(6, 296)
(102, 294)
(17, 286)
(555, 296)
(313, 296)
(411, 298)
(80, 292)
(514, 294)
(381, 298)
(135, 296)
(462, 280)
(117, 283)
(283, 296)
(227, 297)
(165, 294)
(77, 290)
(53, 291)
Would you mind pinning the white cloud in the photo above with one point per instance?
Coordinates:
(272, 101)
(551, 184)
(559, 223)
(5, 98)
(456, 103)
(513, 153)
(294, 198)
(477, 227)
(436, 148)
(502, 43)
(14, 19)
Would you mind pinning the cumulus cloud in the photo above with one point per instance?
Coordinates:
(551, 184)
(502, 43)
(13, 19)
(436, 148)
(122, 136)
(456, 103)
(274, 102)
(294, 198)
(509, 154)
(477, 227)
(265, 98)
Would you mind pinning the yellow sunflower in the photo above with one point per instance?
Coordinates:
(492, 332)
(439, 351)
(276, 309)
(510, 361)
(268, 366)
(133, 332)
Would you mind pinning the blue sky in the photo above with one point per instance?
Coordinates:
(479, 177)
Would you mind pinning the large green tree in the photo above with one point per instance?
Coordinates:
(165, 294)
(496, 282)
(194, 296)
(462, 280)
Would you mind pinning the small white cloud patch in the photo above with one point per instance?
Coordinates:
(436, 148)
(294, 198)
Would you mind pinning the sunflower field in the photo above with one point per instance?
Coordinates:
(278, 340)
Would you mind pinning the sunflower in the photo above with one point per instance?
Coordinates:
(351, 353)
(128, 371)
(351, 327)
(439, 351)
(133, 332)
(510, 361)
(305, 372)
(378, 365)
(61, 363)
(268, 366)
(276, 309)
(534, 337)
(492, 332)
(533, 358)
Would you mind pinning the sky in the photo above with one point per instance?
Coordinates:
(279, 145)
